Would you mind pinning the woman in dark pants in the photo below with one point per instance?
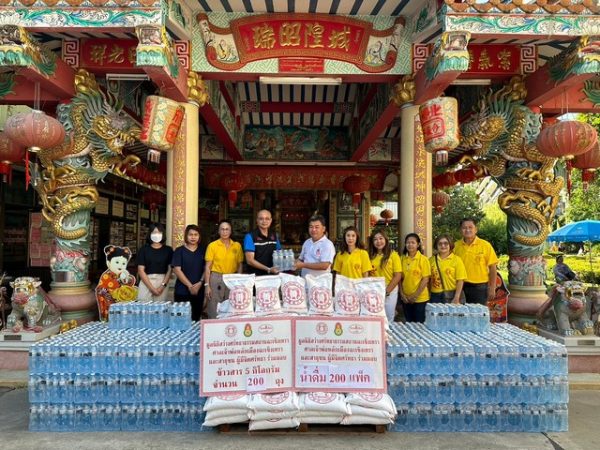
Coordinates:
(415, 278)
(188, 266)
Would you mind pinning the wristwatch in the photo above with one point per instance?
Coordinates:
(163, 284)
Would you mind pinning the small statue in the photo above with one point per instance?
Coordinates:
(567, 310)
(32, 309)
(116, 283)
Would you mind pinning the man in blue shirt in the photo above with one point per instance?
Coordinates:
(260, 244)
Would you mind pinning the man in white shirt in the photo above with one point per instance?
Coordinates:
(317, 252)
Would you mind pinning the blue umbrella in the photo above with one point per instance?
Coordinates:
(583, 231)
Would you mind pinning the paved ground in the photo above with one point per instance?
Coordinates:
(584, 434)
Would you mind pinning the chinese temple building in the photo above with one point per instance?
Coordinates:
(320, 106)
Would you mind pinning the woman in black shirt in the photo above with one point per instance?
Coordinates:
(154, 265)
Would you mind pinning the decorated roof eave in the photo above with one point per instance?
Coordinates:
(520, 7)
(56, 18)
(521, 24)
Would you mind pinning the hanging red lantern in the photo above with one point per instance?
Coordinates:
(373, 220)
(387, 215)
(162, 121)
(439, 122)
(440, 200)
(465, 176)
(34, 130)
(232, 182)
(589, 160)
(10, 153)
(567, 138)
(356, 185)
(587, 177)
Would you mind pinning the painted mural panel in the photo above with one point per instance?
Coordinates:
(291, 143)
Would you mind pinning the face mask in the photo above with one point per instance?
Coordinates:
(156, 237)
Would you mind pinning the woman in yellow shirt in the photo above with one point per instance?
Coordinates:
(386, 263)
(448, 272)
(223, 256)
(415, 278)
(352, 260)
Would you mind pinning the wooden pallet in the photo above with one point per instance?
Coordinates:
(308, 428)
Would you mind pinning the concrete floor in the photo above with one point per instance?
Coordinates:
(584, 434)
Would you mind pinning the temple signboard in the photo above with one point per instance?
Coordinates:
(321, 36)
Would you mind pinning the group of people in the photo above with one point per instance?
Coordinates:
(456, 273)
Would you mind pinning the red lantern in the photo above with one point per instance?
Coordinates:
(10, 153)
(439, 122)
(589, 160)
(34, 130)
(386, 215)
(440, 200)
(465, 176)
(162, 120)
(587, 176)
(373, 220)
(567, 138)
(232, 182)
(356, 185)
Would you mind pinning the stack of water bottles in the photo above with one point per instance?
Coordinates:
(114, 377)
(150, 315)
(502, 379)
(284, 259)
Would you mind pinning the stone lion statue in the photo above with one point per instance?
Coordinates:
(31, 307)
(567, 310)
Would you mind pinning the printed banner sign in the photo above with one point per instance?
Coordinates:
(306, 354)
(335, 354)
(246, 355)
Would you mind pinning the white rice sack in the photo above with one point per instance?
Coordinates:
(219, 413)
(223, 309)
(283, 401)
(374, 400)
(372, 296)
(314, 417)
(267, 295)
(275, 423)
(365, 420)
(240, 292)
(233, 401)
(320, 298)
(324, 402)
(226, 419)
(271, 415)
(369, 412)
(347, 301)
(293, 291)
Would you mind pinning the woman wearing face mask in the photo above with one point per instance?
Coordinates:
(223, 256)
(154, 265)
(188, 266)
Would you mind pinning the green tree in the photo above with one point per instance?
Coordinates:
(464, 203)
(492, 228)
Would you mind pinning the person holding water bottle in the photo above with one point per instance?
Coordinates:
(259, 246)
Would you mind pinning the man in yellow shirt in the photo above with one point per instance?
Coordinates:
(480, 261)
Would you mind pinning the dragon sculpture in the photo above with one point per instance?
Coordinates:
(96, 132)
(501, 138)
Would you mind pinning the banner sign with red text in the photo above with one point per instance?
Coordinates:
(246, 355)
(305, 354)
(335, 354)
(99, 53)
(267, 36)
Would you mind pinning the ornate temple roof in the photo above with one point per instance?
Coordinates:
(525, 6)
